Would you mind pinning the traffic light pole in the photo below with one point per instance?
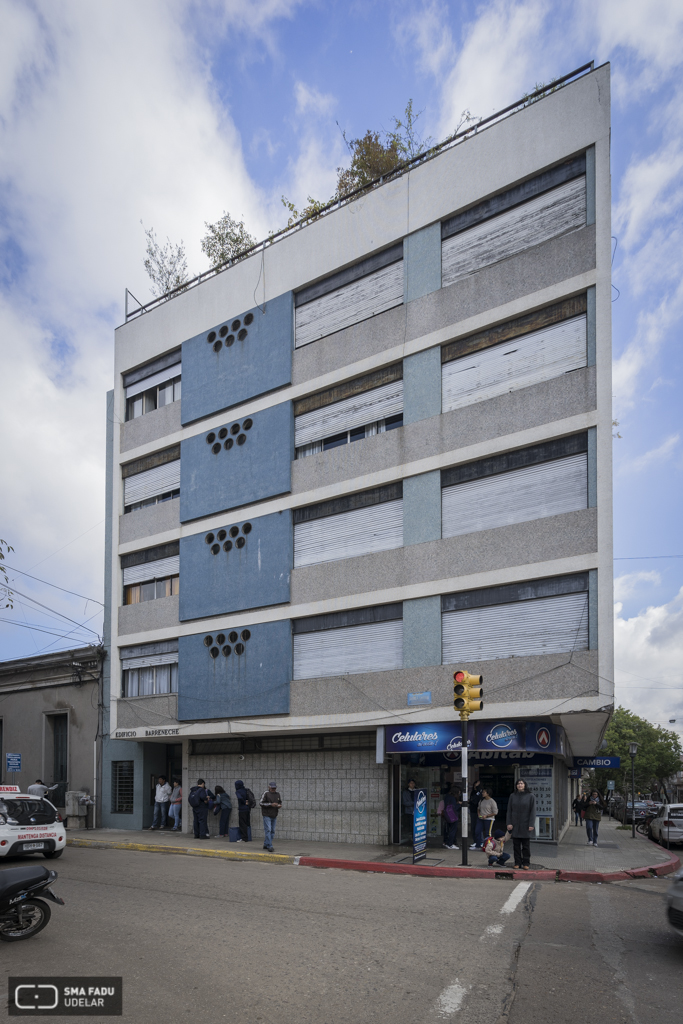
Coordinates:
(464, 807)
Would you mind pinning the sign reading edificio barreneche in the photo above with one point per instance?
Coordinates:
(132, 734)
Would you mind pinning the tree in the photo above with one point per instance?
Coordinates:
(166, 265)
(658, 757)
(6, 594)
(225, 240)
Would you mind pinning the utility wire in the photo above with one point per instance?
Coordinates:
(53, 611)
(25, 625)
(63, 589)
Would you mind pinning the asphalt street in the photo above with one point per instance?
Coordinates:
(242, 942)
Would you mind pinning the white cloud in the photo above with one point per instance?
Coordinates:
(310, 101)
(653, 458)
(627, 585)
(425, 34)
(652, 327)
(646, 193)
(648, 650)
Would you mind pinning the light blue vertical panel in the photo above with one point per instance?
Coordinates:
(252, 355)
(251, 576)
(592, 467)
(422, 262)
(422, 632)
(258, 468)
(590, 326)
(124, 750)
(422, 508)
(255, 682)
(422, 385)
(590, 185)
(593, 610)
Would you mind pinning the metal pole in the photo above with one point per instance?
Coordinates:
(465, 808)
(633, 796)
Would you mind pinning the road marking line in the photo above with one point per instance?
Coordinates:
(515, 897)
(450, 999)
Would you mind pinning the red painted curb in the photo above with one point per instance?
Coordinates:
(418, 869)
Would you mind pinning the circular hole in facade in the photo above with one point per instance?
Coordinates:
(221, 535)
(239, 648)
(208, 640)
(223, 432)
(235, 325)
(223, 331)
(220, 639)
(248, 424)
(215, 548)
(228, 444)
(246, 634)
(242, 335)
(227, 651)
(235, 428)
(241, 438)
(216, 448)
(209, 538)
(211, 337)
(246, 528)
(210, 438)
(230, 340)
(234, 530)
(249, 319)
(214, 652)
(217, 345)
(227, 546)
(240, 542)
(233, 638)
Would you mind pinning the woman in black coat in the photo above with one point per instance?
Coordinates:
(521, 820)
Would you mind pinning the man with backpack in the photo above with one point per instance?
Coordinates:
(271, 802)
(245, 801)
(199, 802)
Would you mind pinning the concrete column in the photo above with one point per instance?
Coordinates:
(422, 508)
(187, 810)
(422, 262)
(592, 467)
(422, 385)
(422, 632)
(590, 326)
(592, 609)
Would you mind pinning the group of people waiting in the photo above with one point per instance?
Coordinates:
(483, 810)
(168, 804)
(589, 807)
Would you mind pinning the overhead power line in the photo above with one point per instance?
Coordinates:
(63, 589)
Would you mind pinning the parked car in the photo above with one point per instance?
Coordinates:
(667, 826)
(674, 900)
(28, 825)
(642, 808)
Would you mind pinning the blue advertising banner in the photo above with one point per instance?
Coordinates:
(597, 762)
(405, 739)
(541, 736)
(500, 735)
(420, 826)
(446, 737)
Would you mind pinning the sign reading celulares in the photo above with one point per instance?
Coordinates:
(541, 737)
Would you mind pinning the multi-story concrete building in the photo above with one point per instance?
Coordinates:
(391, 458)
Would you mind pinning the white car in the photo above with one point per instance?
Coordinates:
(674, 901)
(29, 824)
(667, 827)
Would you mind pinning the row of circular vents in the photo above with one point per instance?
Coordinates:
(223, 433)
(217, 339)
(221, 536)
(220, 645)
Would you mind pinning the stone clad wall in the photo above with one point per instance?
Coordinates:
(331, 796)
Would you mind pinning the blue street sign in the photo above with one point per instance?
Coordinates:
(13, 762)
(414, 699)
(597, 762)
(420, 826)
(574, 773)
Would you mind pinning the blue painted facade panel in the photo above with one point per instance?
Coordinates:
(253, 572)
(256, 464)
(255, 682)
(245, 356)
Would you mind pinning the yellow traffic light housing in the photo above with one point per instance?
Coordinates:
(467, 693)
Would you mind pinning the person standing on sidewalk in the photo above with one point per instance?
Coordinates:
(477, 824)
(577, 807)
(487, 811)
(199, 802)
(224, 807)
(175, 810)
(594, 809)
(521, 820)
(162, 802)
(243, 810)
(448, 809)
(271, 802)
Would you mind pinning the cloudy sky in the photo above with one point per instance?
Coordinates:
(171, 111)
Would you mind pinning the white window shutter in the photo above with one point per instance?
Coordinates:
(151, 482)
(349, 650)
(349, 304)
(357, 411)
(359, 531)
(158, 570)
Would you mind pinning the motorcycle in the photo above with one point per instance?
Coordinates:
(22, 915)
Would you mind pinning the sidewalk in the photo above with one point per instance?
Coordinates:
(618, 857)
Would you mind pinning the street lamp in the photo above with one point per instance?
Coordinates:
(633, 750)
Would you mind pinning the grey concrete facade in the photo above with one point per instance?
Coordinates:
(570, 691)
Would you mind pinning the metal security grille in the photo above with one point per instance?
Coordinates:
(122, 780)
(550, 625)
(532, 492)
(374, 647)
(349, 304)
(356, 411)
(360, 531)
(554, 213)
(529, 359)
(151, 483)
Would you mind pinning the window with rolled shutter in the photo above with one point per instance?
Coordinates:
(357, 411)
(151, 483)
(352, 295)
(156, 570)
(518, 363)
(359, 531)
(348, 643)
(555, 212)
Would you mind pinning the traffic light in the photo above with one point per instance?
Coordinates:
(467, 693)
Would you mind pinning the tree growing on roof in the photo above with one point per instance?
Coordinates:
(166, 265)
(225, 240)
